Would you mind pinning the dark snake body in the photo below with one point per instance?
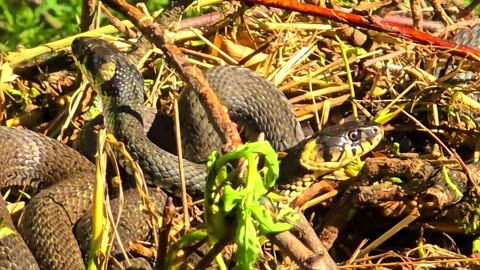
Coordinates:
(67, 179)
(250, 99)
(14, 252)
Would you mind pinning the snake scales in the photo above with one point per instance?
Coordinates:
(66, 179)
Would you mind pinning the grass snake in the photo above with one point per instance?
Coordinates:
(66, 178)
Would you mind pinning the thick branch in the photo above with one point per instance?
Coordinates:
(154, 32)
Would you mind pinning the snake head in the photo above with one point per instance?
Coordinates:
(96, 58)
(109, 72)
(336, 146)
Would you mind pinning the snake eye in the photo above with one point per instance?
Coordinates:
(354, 135)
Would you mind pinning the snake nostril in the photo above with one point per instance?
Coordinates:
(376, 129)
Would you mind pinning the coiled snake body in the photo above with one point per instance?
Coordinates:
(29, 159)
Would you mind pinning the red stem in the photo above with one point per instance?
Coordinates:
(374, 23)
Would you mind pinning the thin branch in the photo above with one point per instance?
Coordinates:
(88, 12)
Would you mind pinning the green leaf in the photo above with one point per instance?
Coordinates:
(387, 114)
(258, 187)
(476, 246)
(396, 149)
(252, 217)
(212, 158)
(8, 15)
(232, 198)
(396, 180)
(266, 222)
(247, 242)
(271, 167)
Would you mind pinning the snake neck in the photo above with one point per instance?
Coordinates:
(123, 99)
(121, 113)
(159, 167)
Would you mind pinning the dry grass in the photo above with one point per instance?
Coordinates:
(395, 81)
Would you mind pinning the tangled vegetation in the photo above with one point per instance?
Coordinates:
(424, 177)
